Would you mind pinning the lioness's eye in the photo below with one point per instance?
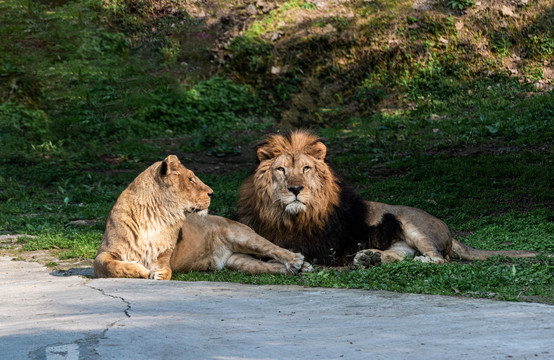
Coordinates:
(191, 180)
(306, 169)
(281, 169)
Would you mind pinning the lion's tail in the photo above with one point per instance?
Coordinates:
(469, 253)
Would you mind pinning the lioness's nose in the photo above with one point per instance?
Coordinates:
(296, 189)
(211, 194)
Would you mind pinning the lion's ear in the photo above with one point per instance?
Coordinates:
(169, 165)
(318, 150)
(265, 152)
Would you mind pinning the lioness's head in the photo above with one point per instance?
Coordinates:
(293, 174)
(180, 187)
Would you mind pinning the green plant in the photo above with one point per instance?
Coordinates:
(250, 54)
(500, 43)
(171, 51)
(540, 46)
(22, 129)
(431, 78)
(217, 104)
(459, 4)
(369, 93)
(98, 42)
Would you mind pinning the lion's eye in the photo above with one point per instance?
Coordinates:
(281, 169)
(306, 169)
(192, 180)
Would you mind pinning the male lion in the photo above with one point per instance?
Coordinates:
(149, 231)
(295, 200)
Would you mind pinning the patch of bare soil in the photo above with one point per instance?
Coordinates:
(10, 247)
(208, 161)
(496, 147)
(203, 163)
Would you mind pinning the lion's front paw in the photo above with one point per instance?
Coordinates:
(423, 259)
(295, 265)
(427, 259)
(307, 267)
(366, 258)
(160, 274)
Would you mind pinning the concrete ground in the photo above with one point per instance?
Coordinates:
(47, 316)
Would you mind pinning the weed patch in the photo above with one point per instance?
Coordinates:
(501, 279)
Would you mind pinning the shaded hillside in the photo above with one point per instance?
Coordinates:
(110, 73)
(320, 62)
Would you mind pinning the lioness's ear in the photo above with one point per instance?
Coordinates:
(317, 150)
(169, 165)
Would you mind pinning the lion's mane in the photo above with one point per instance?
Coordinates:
(333, 226)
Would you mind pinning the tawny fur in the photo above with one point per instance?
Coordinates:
(295, 200)
(265, 202)
(149, 235)
(212, 243)
(143, 225)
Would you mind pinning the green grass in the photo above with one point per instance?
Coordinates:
(90, 96)
(501, 279)
(67, 80)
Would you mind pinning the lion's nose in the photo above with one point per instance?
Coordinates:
(296, 189)
(211, 195)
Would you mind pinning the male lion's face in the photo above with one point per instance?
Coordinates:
(184, 186)
(292, 173)
(294, 178)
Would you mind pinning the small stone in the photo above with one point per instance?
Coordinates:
(251, 10)
(506, 11)
(276, 35)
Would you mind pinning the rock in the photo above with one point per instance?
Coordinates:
(251, 10)
(265, 6)
(328, 29)
(423, 5)
(519, 2)
(507, 11)
(319, 3)
(276, 35)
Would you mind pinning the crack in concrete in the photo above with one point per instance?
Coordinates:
(127, 303)
(83, 348)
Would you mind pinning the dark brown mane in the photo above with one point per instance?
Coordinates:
(331, 228)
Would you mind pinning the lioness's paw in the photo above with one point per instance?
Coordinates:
(366, 258)
(160, 274)
(295, 265)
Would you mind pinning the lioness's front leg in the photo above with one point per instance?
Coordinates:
(241, 239)
(248, 264)
(107, 264)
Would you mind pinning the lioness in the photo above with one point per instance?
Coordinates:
(149, 233)
(295, 200)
